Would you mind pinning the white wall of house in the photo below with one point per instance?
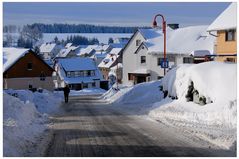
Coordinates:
(23, 83)
(130, 58)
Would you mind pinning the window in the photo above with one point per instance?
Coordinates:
(160, 60)
(230, 60)
(72, 74)
(92, 73)
(42, 76)
(68, 74)
(143, 59)
(187, 60)
(93, 84)
(30, 86)
(76, 74)
(230, 35)
(160, 77)
(81, 73)
(88, 73)
(138, 42)
(29, 66)
(85, 85)
(85, 73)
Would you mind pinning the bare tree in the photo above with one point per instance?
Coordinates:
(31, 33)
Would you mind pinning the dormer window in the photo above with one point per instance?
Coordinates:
(138, 42)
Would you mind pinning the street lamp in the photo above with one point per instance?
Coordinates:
(164, 32)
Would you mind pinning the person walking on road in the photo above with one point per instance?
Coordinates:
(66, 93)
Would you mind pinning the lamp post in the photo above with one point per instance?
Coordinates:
(164, 32)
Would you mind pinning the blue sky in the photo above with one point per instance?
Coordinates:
(119, 14)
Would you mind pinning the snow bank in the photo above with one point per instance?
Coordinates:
(87, 91)
(214, 80)
(135, 98)
(21, 125)
(45, 102)
(215, 121)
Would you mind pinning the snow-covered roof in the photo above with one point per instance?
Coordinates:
(150, 33)
(110, 58)
(47, 47)
(100, 54)
(65, 52)
(226, 20)
(118, 45)
(68, 45)
(77, 64)
(182, 41)
(87, 50)
(12, 55)
(102, 47)
(115, 51)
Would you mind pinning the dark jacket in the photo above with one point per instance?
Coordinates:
(66, 90)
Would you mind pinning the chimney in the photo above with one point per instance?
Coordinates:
(173, 26)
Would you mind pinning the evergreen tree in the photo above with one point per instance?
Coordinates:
(110, 41)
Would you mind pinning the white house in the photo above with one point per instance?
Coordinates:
(78, 73)
(143, 55)
(49, 50)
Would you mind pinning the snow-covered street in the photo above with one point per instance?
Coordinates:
(149, 119)
(91, 127)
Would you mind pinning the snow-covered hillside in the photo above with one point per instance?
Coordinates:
(102, 37)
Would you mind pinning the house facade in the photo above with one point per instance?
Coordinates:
(111, 59)
(78, 73)
(143, 55)
(23, 69)
(224, 28)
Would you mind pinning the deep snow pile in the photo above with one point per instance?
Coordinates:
(22, 123)
(45, 102)
(87, 91)
(216, 120)
(214, 80)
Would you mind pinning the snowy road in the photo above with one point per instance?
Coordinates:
(90, 127)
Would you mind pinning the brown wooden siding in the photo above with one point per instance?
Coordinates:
(19, 69)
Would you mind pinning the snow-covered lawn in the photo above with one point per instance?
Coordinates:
(87, 91)
(24, 119)
(211, 113)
